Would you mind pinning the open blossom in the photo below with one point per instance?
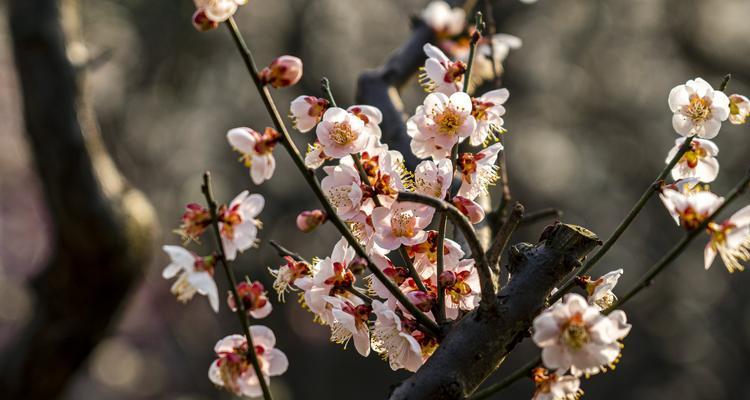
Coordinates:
(209, 13)
(488, 110)
(282, 72)
(439, 123)
(739, 109)
(195, 220)
(196, 275)
(402, 224)
(461, 284)
(286, 275)
(699, 161)
(254, 299)
(384, 170)
(550, 386)
(439, 73)
(392, 341)
(478, 171)
(238, 224)
(689, 209)
(350, 318)
(306, 112)
(731, 240)
(371, 116)
(698, 109)
(444, 20)
(342, 188)
(341, 133)
(433, 178)
(575, 336)
(257, 151)
(471, 209)
(599, 291)
(234, 371)
(425, 254)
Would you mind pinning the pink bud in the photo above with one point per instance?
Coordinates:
(469, 208)
(422, 300)
(307, 221)
(283, 71)
(202, 23)
(447, 279)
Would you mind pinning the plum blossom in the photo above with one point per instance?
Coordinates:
(391, 340)
(341, 133)
(599, 291)
(488, 110)
(256, 150)
(315, 156)
(350, 318)
(699, 161)
(425, 254)
(689, 209)
(282, 72)
(461, 284)
(196, 275)
(209, 13)
(254, 299)
(195, 220)
(286, 275)
(575, 336)
(731, 240)
(439, 123)
(384, 170)
(306, 112)
(478, 171)
(371, 116)
(471, 209)
(307, 221)
(444, 20)
(739, 109)
(550, 386)
(698, 109)
(439, 73)
(402, 224)
(433, 178)
(342, 187)
(234, 371)
(238, 224)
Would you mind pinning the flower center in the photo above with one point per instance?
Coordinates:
(575, 333)
(403, 223)
(454, 71)
(479, 111)
(695, 154)
(339, 196)
(448, 121)
(690, 218)
(342, 134)
(699, 109)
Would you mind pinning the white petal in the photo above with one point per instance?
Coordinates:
(242, 140)
(205, 284)
(278, 363)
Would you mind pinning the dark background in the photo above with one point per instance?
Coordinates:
(589, 128)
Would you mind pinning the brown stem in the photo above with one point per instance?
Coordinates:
(500, 242)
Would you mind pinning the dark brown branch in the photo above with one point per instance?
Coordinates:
(500, 242)
(102, 227)
(479, 342)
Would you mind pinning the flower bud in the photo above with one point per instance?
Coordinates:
(307, 221)
(422, 300)
(447, 279)
(202, 23)
(473, 211)
(283, 71)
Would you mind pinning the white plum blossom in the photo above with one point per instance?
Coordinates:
(238, 223)
(286, 275)
(739, 109)
(690, 208)
(371, 116)
(600, 292)
(402, 224)
(444, 20)
(257, 151)
(698, 109)
(218, 10)
(233, 369)
(439, 123)
(439, 73)
(341, 133)
(196, 275)
(306, 112)
(342, 188)
(391, 340)
(698, 162)
(550, 386)
(730, 240)
(350, 318)
(575, 336)
(478, 171)
(433, 178)
(488, 110)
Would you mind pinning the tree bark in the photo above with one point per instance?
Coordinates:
(102, 226)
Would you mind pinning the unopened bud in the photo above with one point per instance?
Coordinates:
(283, 71)
(447, 279)
(307, 221)
(473, 211)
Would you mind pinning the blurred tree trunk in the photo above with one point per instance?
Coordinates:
(102, 227)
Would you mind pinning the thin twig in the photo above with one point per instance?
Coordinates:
(539, 215)
(284, 252)
(429, 325)
(239, 306)
(503, 237)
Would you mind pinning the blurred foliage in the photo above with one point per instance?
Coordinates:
(589, 128)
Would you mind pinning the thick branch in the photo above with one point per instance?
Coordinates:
(102, 227)
(479, 342)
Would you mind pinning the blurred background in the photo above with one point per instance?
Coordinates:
(589, 128)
